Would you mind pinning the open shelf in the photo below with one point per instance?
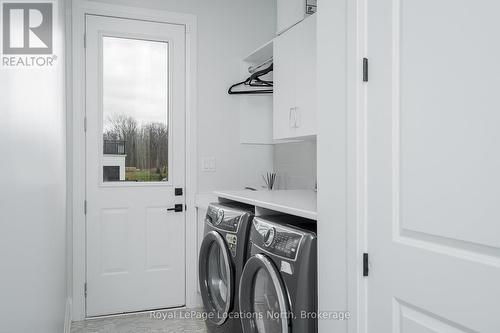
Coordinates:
(256, 114)
(263, 53)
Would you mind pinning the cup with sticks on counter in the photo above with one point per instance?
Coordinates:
(270, 180)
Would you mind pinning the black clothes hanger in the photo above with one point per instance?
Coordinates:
(254, 81)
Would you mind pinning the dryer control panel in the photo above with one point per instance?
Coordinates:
(278, 240)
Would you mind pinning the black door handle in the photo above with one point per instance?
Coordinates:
(177, 208)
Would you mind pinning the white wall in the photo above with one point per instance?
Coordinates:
(32, 195)
(295, 164)
(227, 31)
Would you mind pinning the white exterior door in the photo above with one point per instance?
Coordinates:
(433, 180)
(135, 158)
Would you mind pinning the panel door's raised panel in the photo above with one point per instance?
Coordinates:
(165, 239)
(115, 237)
(157, 233)
(448, 121)
(410, 319)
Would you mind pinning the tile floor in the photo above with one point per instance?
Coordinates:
(160, 322)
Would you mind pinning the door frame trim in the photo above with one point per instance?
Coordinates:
(75, 86)
(342, 163)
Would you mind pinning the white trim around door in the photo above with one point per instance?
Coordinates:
(341, 163)
(76, 138)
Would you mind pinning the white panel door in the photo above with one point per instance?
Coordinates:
(433, 180)
(135, 158)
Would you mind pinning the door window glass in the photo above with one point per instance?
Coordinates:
(266, 304)
(135, 109)
(218, 278)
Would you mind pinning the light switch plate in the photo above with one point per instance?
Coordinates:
(208, 164)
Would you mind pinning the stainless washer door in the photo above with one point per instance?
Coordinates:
(216, 277)
(263, 298)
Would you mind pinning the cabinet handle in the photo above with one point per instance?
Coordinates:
(297, 117)
(293, 118)
(291, 121)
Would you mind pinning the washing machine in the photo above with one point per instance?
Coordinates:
(278, 288)
(222, 258)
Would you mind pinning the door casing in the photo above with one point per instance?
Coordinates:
(76, 141)
(341, 285)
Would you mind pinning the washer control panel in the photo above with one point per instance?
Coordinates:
(278, 240)
(269, 236)
(223, 219)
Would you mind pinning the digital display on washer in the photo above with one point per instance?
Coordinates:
(276, 240)
(230, 223)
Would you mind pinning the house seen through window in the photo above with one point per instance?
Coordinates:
(135, 110)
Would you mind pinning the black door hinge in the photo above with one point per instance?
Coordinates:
(366, 269)
(365, 69)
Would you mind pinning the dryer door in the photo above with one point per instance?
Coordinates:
(216, 277)
(263, 298)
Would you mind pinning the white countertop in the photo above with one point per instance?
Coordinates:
(294, 202)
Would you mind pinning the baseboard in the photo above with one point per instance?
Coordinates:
(67, 316)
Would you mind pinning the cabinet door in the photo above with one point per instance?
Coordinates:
(290, 12)
(294, 113)
(305, 77)
(284, 87)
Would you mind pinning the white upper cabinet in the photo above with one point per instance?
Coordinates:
(294, 113)
(290, 12)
